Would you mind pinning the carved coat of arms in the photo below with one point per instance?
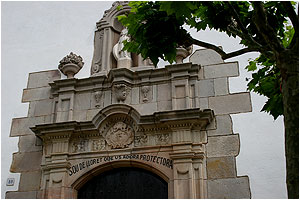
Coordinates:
(120, 135)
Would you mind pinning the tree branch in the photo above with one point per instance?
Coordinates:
(262, 25)
(241, 25)
(291, 13)
(220, 51)
(240, 52)
(295, 21)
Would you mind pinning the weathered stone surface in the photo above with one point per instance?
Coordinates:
(206, 57)
(62, 116)
(221, 70)
(21, 195)
(223, 125)
(91, 114)
(212, 125)
(40, 108)
(41, 79)
(146, 109)
(30, 181)
(82, 101)
(163, 92)
(221, 86)
(231, 188)
(154, 93)
(107, 98)
(79, 115)
(36, 94)
(230, 104)
(135, 95)
(25, 162)
(180, 104)
(164, 105)
(28, 143)
(206, 88)
(64, 105)
(180, 91)
(20, 126)
(221, 167)
(219, 146)
(203, 103)
(183, 192)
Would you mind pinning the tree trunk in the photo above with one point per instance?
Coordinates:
(289, 62)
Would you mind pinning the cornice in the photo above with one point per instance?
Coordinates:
(160, 121)
(132, 77)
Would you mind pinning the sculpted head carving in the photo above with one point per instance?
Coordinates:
(120, 135)
(121, 91)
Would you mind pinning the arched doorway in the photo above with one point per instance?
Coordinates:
(125, 183)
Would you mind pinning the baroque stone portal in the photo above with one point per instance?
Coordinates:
(173, 122)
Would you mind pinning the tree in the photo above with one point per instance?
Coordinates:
(270, 28)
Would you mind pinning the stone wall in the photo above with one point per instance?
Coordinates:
(201, 84)
(222, 144)
(27, 160)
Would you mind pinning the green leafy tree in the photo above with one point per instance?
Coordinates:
(270, 28)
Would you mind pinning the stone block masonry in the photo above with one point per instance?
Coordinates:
(42, 79)
(230, 104)
(229, 188)
(26, 162)
(20, 126)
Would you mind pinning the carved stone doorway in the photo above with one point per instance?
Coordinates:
(125, 183)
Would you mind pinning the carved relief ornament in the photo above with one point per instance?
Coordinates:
(121, 91)
(98, 96)
(141, 140)
(145, 92)
(120, 135)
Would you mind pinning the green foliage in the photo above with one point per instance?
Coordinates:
(146, 23)
(266, 81)
(156, 29)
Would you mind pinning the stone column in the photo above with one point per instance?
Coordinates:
(55, 169)
(189, 173)
(188, 159)
(55, 182)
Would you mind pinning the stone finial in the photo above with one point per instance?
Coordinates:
(182, 53)
(70, 65)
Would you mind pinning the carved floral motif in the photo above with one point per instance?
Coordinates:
(119, 135)
(71, 58)
(98, 145)
(80, 146)
(163, 139)
(140, 140)
(70, 65)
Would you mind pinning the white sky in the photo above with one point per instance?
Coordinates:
(35, 36)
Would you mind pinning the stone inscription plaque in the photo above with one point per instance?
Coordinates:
(159, 160)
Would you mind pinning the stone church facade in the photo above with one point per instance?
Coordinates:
(173, 122)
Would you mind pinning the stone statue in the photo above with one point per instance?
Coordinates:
(123, 37)
(123, 57)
